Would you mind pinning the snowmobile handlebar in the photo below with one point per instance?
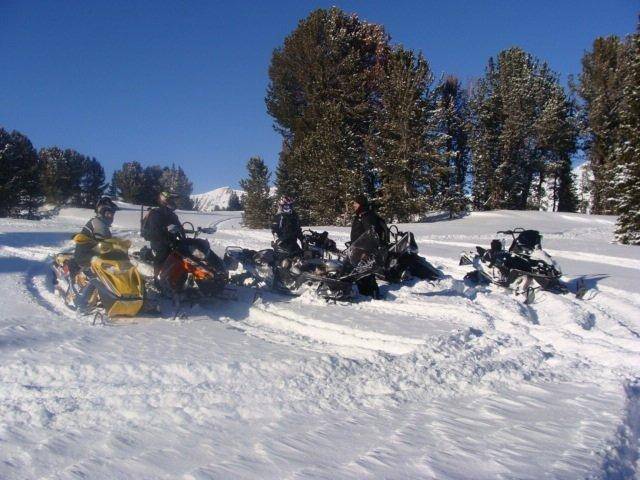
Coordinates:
(511, 232)
(196, 231)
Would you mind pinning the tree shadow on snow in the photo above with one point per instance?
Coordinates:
(588, 282)
(17, 264)
(34, 238)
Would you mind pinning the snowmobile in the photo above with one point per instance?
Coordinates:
(317, 265)
(402, 261)
(191, 270)
(120, 289)
(525, 267)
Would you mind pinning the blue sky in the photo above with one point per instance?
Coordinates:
(184, 82)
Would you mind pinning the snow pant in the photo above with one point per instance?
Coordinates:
(368, 286)
(160, 253)
(82, 298)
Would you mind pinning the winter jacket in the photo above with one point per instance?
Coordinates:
(367, 219)
(156, 224)
(286, 227)
(97, 229)
(158, 219)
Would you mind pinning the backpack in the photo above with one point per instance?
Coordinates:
(144, 224)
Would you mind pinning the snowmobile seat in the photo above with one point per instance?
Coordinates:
(527, 240)
(265, 257)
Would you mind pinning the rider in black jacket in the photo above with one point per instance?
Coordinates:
(162, 226)
(286, 227)
(365, 220)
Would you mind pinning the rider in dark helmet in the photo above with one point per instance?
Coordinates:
(96, 229)
(286, 227)
(366, 220)
(162, 226)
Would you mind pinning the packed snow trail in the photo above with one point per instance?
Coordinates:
(439, 380)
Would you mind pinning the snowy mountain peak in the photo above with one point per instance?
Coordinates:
(217, 199)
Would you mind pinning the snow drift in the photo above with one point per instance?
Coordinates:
(440, 380)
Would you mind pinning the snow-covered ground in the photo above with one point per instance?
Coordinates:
(436, 381)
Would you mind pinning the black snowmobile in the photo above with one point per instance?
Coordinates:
(401, 260)
(319, 266)
(525, 267)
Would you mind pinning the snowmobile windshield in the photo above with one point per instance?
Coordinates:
(527, 240)
(366, 245)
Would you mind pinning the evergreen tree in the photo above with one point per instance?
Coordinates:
(152, 178)
(113, 186)
(55, 175)
(452, 125)
(601, 89)
(62, 174)
(258, 209)
(408, 173)
(176, 181)
(515, 108)
(19, 175)
(234, 203)
(628, 152)
(322, 84)
(557, 132)
(92, 182)
(131, 183)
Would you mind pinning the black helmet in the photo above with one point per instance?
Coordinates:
(361, 199)
(104, 204)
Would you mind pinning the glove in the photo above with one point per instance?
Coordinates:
(173, 230)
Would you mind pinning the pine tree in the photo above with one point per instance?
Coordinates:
(176, 181)
(92, 182)
(62, 174)
(557, 131)
(55, 175)
(152, 179)
(20, 188)
(130, 180)
(628, 152)
(408, 174)
(515, 107)
(258, 208)
(601, 89)
(234, 203)
(113, 186)
(452, 125)
(322, 84)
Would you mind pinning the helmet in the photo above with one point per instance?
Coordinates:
(104, 205)
(168, 199)
(285, 203)
(361, 199)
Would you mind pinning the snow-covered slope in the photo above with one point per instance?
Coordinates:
(217, 199)
(439, 380)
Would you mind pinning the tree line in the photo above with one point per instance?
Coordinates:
(359, 114)
(30, 178)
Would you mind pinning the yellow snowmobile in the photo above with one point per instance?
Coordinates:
(119, 286)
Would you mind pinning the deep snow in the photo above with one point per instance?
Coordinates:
(436, 381)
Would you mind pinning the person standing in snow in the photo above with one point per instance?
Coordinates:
(286, 227)
(367, 220)
(161, 227)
